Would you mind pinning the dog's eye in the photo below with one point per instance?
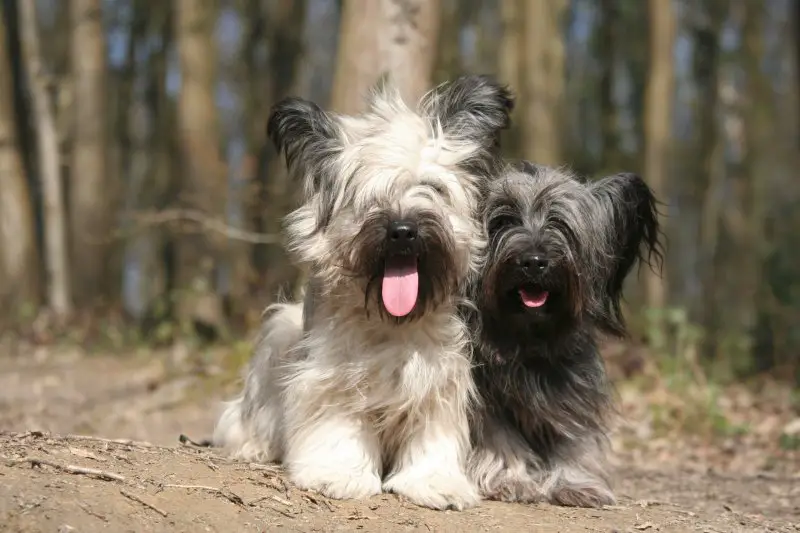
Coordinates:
(439, 188)
(501, 222)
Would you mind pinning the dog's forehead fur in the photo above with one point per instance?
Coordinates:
(391, 151)
(540, 195)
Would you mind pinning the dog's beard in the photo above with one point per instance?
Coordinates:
(535, 302)
(404, 285)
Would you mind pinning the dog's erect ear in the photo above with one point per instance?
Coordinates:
(473, 107)
(308, 138)
(628, 209)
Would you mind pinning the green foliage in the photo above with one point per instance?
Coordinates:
(789, 442)
(675, 343)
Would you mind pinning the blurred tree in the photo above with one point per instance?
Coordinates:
(510, 69)
(59, 296)
(542, 81)
(606, 46)
(19, 272)
(449, 61)
(746, 213)
(147, 117)
(203, 177)
(254, 78)
(706, 20)
(380, 37)
(658, 123)
(285, 23)
(91, 191)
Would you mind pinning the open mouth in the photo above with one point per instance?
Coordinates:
(400, 284)
(533, 297)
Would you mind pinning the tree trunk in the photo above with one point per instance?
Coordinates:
(606, 44)
(138, 122)
(658, 123)
(752, 184)
(285, 24)
(19, 279)
(543, 81)
(55, 221)
(203, 177)
(91, 197)
(380, 37)
(510, 61)
(703, 187)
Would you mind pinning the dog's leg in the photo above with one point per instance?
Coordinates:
(579, 480)
(330, 446)
(336, 455)
(503, 465)
(429, 468)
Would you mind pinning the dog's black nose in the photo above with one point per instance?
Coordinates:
(402, 235)
(534, 263)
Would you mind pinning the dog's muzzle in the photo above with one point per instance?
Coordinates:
(402, 238)
(401, 277)
(532, 267)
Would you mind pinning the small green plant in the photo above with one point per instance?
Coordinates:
(789, 442)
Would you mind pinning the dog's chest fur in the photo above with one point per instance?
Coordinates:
(554, 395)
(383, 369)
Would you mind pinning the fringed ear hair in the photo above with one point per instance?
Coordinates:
(308, 138)
(630, 210)
(474, 108)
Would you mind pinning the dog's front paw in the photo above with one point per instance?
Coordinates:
(336, 484)
(434, 490)
(514, 488)
(582, 496)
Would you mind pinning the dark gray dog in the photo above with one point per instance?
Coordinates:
(559, 250)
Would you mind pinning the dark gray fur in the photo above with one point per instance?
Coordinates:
(541, 430)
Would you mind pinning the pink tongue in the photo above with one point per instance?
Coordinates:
(400, 285)
(533, 299)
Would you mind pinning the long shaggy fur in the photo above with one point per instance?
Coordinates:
(350, 398)
(541, 430)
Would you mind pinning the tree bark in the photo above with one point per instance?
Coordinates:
(510, 61)
(377, 37)
(658, 123)
(752, 186)
(543, 81)
(55, 221)
(19, 274)
(606, 44)
(285, 22)
(703, 187)
(91, 196)
(203, 178)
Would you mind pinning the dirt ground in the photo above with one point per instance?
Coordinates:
(139, 477)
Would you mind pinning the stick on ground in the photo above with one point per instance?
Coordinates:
(136, 498)
(225, 493)
(70, 469)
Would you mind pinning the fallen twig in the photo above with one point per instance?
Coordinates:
(225, 493)
(136, 498)
(278, 499)
(317, 501)
(121, 442)
(89, 511)
(69, 469)
(259, 466)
